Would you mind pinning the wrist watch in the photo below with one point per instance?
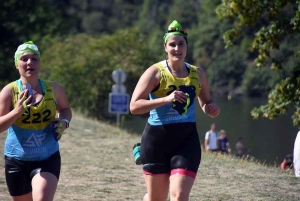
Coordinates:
(67, 122)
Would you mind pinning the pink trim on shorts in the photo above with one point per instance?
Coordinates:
(184, 172)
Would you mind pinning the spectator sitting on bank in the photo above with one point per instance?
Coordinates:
(224, 143)
(211, 139)
(240, 148)
(287, 162)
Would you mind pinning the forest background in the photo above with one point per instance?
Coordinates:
(83, 41)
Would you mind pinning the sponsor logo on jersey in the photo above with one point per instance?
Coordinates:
(33, 144)
(34, 140)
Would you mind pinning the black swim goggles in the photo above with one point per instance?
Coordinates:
(176, 29)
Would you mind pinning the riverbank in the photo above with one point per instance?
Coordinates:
(97, 164)
(269, 140)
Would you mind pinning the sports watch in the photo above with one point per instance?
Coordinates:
(67, 122)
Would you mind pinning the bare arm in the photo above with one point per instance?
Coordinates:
(148, 81)
(8, 116)
(208, 106)
(63, 107)
(206, 144)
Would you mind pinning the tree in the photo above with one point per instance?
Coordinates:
(274, 21)
(83, 65)
(21, 21)
(225, 69)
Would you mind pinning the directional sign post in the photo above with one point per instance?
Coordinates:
(118, 103)
(118, 98)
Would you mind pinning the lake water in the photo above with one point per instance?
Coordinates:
(269, 141)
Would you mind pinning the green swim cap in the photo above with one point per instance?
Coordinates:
(26, 47)
(175, 29)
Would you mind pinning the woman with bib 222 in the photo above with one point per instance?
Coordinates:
(28, 109)
(170, 148)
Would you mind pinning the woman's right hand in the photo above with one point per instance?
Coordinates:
(23, 98)
(176, 95)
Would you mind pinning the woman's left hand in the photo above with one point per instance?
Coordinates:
(211, 109)
(60, 127)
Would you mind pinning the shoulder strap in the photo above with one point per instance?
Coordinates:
(20, 85)
(42, 85)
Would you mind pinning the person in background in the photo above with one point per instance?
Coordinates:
(224, 143)
(287, 162)
(240, 148)
(297, 155)
(212, 139)
(28, 109)
(170, 149)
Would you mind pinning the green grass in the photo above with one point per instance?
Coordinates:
(97, 164)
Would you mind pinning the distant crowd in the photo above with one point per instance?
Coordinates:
(218, 142)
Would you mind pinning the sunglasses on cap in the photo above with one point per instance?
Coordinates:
(27, 46)
(176, 29)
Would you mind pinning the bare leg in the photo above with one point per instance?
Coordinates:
(157, 187)
(26, 197)
(180, 187)
(44, 186)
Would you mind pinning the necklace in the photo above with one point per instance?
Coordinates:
(175, 71)
(31, 90)
(169, 67)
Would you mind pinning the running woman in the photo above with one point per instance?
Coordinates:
(28, 109)
(170, 148)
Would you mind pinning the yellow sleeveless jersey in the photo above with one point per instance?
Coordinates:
(168, 114)
(41, 114)
(169, 83)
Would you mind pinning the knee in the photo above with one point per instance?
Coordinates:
(179, 195)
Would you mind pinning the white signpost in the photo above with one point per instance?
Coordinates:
(118, 98)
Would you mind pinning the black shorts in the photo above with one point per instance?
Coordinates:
(20, 173)
(170, 146)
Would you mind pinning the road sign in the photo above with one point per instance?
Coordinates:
(119, 76)
(116, 88)
(118, 103)
(118, 98)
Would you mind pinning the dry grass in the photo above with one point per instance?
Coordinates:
(97, 164)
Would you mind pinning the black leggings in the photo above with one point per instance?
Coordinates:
(170, 146)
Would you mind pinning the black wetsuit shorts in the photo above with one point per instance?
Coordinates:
(170, 146)
(20, 173)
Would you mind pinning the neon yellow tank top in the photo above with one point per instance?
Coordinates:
(166, 114)
(168, 83)
(40, 115)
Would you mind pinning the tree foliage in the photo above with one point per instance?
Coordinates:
(84, 64)
(59, 27)
(274, 21)
(21, 21)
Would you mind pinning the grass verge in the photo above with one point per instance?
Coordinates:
(97, 164)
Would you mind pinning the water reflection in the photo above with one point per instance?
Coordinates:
(268, 141)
